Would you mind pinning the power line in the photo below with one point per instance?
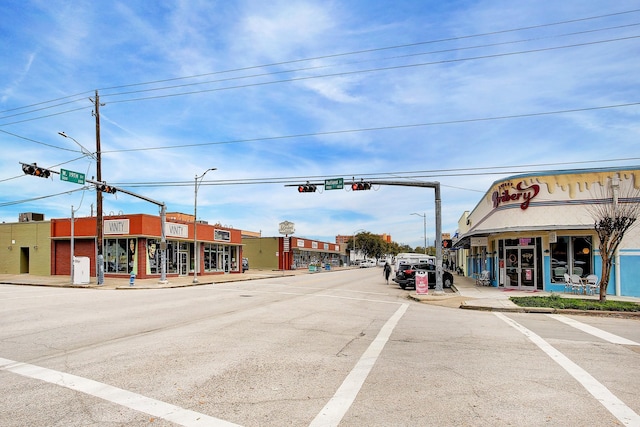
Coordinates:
(380, 128)
(304, 78)
(451, 172)
(310, 59)
(357, 52)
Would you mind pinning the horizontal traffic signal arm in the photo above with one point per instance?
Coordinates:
(35, 170)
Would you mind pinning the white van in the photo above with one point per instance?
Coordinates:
(413, 258)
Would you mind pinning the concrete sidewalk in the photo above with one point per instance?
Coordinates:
(123, 282)
(468, 295)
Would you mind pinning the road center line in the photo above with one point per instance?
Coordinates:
(339, 404)
(614, 405)
(615, 339)
(137, 402)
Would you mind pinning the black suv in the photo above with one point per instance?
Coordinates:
(406, 276)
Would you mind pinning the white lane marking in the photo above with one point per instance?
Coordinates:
(339, 404)
(137, 402)
(615, 339)
(614, 405)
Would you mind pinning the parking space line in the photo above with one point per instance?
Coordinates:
(615, 406)
(339, 404)
(612, 338)
(135, 401)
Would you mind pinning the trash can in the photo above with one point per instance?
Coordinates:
(327, 267)
(132, 278)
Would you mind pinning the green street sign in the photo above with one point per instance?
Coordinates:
(71, 176)
(334, 184)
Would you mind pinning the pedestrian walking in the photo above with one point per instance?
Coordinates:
(386, 271)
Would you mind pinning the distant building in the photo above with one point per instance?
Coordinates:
(290, 253)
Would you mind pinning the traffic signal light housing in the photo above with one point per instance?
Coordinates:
(106, 188)
(307, 188)
(357, 186)
(35, 170)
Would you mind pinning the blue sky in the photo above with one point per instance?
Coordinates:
(280, 92)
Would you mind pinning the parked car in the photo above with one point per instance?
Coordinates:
(406, 275)
(245, 264)
(367, 263)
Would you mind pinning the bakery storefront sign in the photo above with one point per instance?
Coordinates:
(508, 193)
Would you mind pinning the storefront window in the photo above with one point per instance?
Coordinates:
(153, 257)
(120, 255)
(571, 255)
(212, 257)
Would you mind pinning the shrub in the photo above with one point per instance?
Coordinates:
(559, 302)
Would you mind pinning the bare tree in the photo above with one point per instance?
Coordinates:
(615, 212)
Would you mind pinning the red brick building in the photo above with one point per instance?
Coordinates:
(132, 243)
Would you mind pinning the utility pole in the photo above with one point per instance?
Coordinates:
(100, 257)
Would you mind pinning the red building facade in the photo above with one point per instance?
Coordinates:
(132, 244)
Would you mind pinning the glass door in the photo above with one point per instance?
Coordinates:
(183, 263)
(520, 267)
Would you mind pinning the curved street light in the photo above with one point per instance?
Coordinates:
(355, 239)
(196, 252)
(82, 149)
(424, 217)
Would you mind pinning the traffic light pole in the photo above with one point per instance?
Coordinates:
(366, 185)
(163, 221)
(438, 205)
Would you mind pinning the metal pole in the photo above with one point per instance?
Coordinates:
(425, 232)
(72, 246)
(424, 217)
(163, 244)
(196, 252)
(438, 243)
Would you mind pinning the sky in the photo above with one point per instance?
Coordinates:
(275, 94)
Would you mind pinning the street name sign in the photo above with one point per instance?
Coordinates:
(334, 184)
(71, 176)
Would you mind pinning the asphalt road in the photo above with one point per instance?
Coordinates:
(310, 350)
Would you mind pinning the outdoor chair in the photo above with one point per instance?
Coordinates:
(593, 284)
(578, 271)
(567, 283)
(558, 273)
(484, 279)
(577, 287)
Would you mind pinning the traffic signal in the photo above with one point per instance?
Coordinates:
(307, 188)
(447, 243)
(106, 188)
(35, 170)
(357, 186)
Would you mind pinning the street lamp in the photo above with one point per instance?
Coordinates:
(424, 217)
(196, 252)
(82, 149)
(99, 233)
(355, 241)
